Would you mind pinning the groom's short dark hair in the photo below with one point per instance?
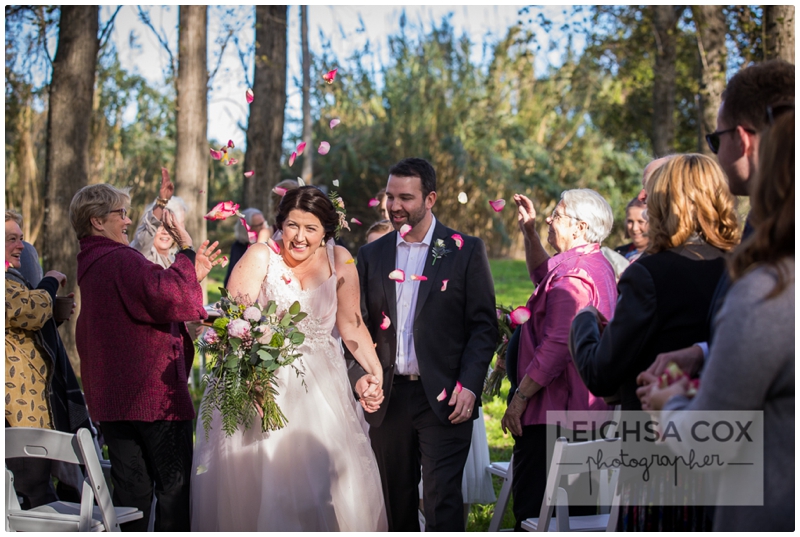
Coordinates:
(417, 167)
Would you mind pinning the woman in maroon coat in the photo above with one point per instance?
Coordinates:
(136, 353)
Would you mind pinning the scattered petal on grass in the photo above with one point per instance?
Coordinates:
(374, 202)
(459, 387)
(251, 173)
(498, 205)
(520, 315)
(442, 396)
(444, 285)
(404, 230)
(279, 190)
(386, 323)
(334, 122)
(397, 275)
(248, 95)
(216, 155)
(300, 148)
(355, 221)
(462, 198)
(324, 147)
(419, 277)
(459, 240)
(330, 76)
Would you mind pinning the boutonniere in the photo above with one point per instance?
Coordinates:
(439, 250)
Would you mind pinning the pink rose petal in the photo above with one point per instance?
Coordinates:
(231, 162)
(459, 387)
(334, 122)
(442, 396)
(397, 275)
(404, 229)
(224, 262)
(386, 322)
(459, 240)
(355, 221)
(251, 173)
(330, 76)
(230, 143)
(292, 158)
(520, 315)
(7, 265)
(279, 190)
(248, 95)
(374, 202)
(324, 147)
(222, 210)
(498, 205)
(300, 148)
(216, 155)
(419, 277)
(444, 285)
(274, 246)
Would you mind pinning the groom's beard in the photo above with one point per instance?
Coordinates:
(412, 218)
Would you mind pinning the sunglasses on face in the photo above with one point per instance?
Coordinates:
(713, 139)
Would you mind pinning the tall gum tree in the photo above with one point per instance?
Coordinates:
(710, 25)
(68, 130)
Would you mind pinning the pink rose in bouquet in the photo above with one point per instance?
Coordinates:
(211, 336)
(252, 314)
(239, 328)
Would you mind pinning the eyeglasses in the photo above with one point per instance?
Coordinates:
(713, 139)
(122, 212)
(556, 215)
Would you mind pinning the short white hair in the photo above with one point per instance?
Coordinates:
(588, 206)
(238, 229)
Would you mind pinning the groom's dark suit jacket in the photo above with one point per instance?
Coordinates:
(455, 330)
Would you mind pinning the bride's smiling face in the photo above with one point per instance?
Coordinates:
(302, 234)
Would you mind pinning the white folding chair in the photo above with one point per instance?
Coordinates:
(571, 459)
(503, 470)
(63, 516)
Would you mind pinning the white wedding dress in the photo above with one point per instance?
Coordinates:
(316, 474)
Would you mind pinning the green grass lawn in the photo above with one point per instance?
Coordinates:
(513, 287)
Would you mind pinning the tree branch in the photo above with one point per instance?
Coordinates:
(145, 18)
(104, 35)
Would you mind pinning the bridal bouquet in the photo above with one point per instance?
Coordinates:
(507, 320)
(247, 345)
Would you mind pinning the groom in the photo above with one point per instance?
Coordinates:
(433, 330)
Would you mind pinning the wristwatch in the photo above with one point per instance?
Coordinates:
(521, 395)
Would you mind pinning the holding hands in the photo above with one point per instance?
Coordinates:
(370, 392)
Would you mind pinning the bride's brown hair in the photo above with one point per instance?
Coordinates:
(311, 200)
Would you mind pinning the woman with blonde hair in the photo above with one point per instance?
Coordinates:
(663, 299)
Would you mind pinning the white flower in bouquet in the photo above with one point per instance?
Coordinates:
(266, 334)
(252, 314)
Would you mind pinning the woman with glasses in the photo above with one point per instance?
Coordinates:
(545, 377)
(136, 352)
(663, 302)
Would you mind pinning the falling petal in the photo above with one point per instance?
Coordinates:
(222, 210)
(291, 159)
(279, 190)
(201, 192)
(300, 148)
(459, 387)
(397, 275)
(329, 76)
(324, 147)
(335, 182)
(231, 162)
(442, 396)
(248, 95)
(216, 155)
(374, 202)
(251, 173)
(386, 322)
(459, 240)
(404, 230)
(349, 261)
(7, 265)
(419, 277)
(520, 315)
(444, 285)
(224, 262)
(334, 122)
(462, 198)
(300, 182)
(498, 205)
(286, 279)
(252, 236)
(355, 221)
(274, 246)
(230, 143)
(201, 469)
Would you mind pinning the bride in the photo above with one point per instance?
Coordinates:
(319, 472)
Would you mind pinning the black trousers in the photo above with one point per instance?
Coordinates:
(412, 435)
(531, 464)
(143, 453)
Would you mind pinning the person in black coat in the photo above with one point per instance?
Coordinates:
(435, 327)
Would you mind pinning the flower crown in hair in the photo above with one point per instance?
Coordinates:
(338, 204)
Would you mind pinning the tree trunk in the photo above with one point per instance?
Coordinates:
(711, 30)
(779, 32)
(308, 160)
(191, 153)
(68, 128)
(27, 173)
(665, 20)
(265, 125)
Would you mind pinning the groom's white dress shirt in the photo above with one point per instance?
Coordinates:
(411, 258)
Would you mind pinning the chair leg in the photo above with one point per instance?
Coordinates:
(502, 503)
